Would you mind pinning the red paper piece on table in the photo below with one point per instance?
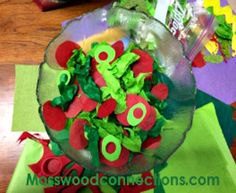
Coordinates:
(199, 61)
(152, 143)
(25, 135)
(149, 121)
(49, 164)
(144, 64)
(74, 109)
(87, 103)
(64, 52)
(122, 160)
(160, 91)
(132, 100)
(97, 77)
(54, 117)
(106, 108)
(45, 5)
(77, 138)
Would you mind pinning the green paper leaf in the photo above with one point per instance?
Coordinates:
(93, 144)
(133, 144)
(156, 130)
(113, 87)
(55, 148)
(82, 71)
(120, 66)
(134, 85)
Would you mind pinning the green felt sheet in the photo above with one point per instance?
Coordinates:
(203, 153)
(32, 153)
(224, 113)
(26, 116)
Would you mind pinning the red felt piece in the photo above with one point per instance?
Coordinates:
(74, 108)
(107, 108)
(51, 166)
(88, 104)
(64, 52)
(132, 100)
(46, 165)
(54, 117)
(77, 138)
(122, 160)
(103, 56)
(111, 147)
(138, 113)
(151, 143)
(160, 91)
(199, 61)
(98, 79)
(149, 120)
(144, 64)
(119, 48)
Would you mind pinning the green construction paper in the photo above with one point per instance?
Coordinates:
(82, 71)
(68, 93)
(114, 155)
(203, 153)
(225, 47)
(113, 87)
(100, 48)
(214, 59)
(120, 66)
(133, 143)
(108, 128)
(32, 153)
(26, 116)
(133, 85)
(224, 113)
(132, 120)
(64, 76)
(156, 130)
(93, 143)
(146, 6)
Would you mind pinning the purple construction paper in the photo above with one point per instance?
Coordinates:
(218, 80)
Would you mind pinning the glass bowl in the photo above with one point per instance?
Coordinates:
(111, 25)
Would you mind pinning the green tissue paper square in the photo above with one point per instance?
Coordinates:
(26, 116)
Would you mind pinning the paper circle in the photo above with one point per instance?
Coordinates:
(105, 49)
(116, 153)
(51, 166)
(64, 76)
(132, 120)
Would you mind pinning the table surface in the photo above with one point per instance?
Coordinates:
(24, 34)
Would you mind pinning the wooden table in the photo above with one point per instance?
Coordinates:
(24, 33)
